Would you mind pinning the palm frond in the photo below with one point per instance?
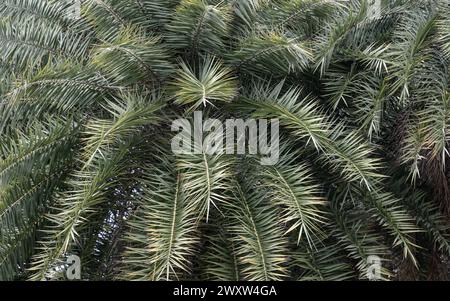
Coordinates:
(292, 187)
(260, 247)
(271, 52)
(211, 82)
(132, 58)
(199, 26)
(326, 262)
(344, 150)
(162, 235)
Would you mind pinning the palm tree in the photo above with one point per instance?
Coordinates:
(86, 166)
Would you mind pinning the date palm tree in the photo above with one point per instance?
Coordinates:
(86, 166)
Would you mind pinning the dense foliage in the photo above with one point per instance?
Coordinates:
(86, 167)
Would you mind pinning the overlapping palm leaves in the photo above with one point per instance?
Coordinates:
(86, 166)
